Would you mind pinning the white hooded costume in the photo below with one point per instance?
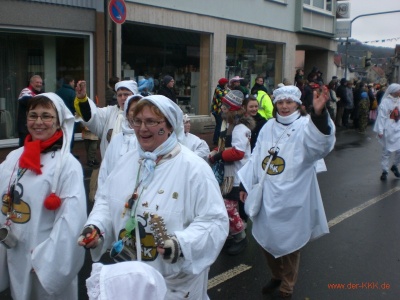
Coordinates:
(125, 281)
(384, 124)
(110, 117)
(292, 211)
(183, 190)
(194, 143)
(119, 145)
(46, 238)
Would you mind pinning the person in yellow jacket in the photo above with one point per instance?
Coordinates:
(265, 105)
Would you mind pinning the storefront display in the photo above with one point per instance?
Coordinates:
(250, 58)
(156, 52)
(26, 54)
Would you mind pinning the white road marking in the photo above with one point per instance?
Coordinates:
(227, 275)
(213, 282)
(361, 207)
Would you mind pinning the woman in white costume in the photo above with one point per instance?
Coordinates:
(387, 126)
(292, 212)
(161, 178)
(105, 122)
(44, 206)
(120, 143)
(194, 143)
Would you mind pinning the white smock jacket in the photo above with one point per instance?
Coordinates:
(185, 193)
(387, 126)
(46, 238)
(120, 143)
(197, 145)
(292, 212)
(102, 120)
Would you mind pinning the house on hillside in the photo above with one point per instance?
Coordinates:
(395, 76)
(376, 74)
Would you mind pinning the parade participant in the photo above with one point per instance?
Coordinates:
(120, 143)
(105, 122)
(291, 211)
(43, 206)
(167, 88)
(387, 126)
(220, 91)
(194, 143)
(192, 208)
(234, 150)
(34, 88)
(250, 105)
(120, 281)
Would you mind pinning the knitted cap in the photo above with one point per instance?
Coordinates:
(167, 79)
(233, 99)
(223, 81)
(287, 92)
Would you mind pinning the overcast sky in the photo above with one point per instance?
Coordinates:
(379, 27)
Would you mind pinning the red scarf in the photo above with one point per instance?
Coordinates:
(30, 158)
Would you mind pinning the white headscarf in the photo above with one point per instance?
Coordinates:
(171, 111)
(125, 281)
(67, 121)
(174, 115)
(393, 88)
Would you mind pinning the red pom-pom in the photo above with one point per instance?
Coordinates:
(52, 202)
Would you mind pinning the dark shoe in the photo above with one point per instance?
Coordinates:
(237, 247)
(95, 163)
(271, 286)
(284, 295)
(384, 176)
(395, 171)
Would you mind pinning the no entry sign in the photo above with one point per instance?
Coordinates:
(117, 11)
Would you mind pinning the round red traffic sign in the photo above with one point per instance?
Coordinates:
(117, 11)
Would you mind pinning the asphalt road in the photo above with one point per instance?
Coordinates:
(359, 259)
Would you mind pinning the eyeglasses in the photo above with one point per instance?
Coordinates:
(147, 123)
(45, 118)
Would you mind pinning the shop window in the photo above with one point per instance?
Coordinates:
(23, 55)
(250, 58)
(153, 52)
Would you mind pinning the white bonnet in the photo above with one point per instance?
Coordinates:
(124, 281)
(128, 101)
(128, 84)
(287, 92)
(186, 118)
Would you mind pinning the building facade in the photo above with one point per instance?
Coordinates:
(51, 39)
(195, 42)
